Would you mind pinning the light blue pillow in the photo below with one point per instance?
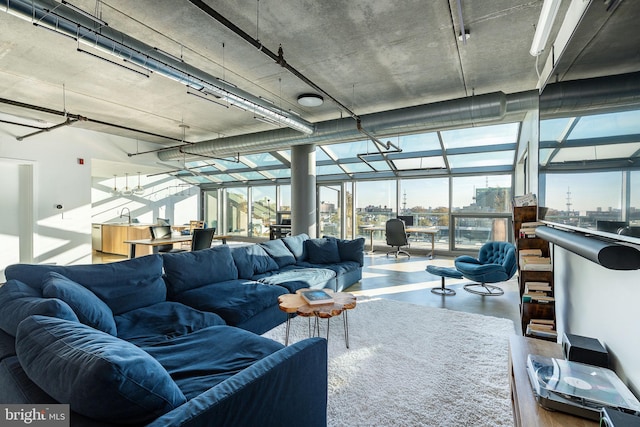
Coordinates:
(19, 301)
(98, 375)
(296, 245)
(322, 251)
(90, 309)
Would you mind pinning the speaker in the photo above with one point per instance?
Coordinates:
(584, 350)
(614, 418)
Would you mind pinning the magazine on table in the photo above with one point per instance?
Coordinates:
(316, 296)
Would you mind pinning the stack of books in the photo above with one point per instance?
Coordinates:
(542, 328)
(540, 292)
(528, 199)
(532, 260)
(528, 229)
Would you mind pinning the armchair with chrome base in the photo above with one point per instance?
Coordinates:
(496, 262)
(396, 235)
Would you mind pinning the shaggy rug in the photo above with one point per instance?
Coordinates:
(410, 365)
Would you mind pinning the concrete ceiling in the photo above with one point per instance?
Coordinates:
(370, 55)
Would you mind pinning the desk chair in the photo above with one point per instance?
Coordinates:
(396, 235)
(202, 238)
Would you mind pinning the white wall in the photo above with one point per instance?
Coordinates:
(63, 236)
(605, 304)
(9, 223)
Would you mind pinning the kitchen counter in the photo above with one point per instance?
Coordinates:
(115, 234)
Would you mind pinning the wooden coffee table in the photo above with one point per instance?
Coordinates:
(295, 304)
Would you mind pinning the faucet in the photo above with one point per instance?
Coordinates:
(128, 214)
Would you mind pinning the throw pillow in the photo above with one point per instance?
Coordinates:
(296, 245)
(252, 260)
(352, 250)
(98, 375)
(279, 252)
(90, 309)
(322, 251)
(19, 301)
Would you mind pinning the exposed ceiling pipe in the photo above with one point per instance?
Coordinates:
(50, 128)
(456, 112)
(64, 20)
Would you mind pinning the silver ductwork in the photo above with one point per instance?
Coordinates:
(445, 114)
(63, 19)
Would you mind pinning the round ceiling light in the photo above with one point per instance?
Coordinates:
(310, 100)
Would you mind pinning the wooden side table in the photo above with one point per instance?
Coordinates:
(295, 304)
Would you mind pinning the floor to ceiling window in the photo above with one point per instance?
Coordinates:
(237, 211)
(263, 201)
(427, 202)
(330, 210)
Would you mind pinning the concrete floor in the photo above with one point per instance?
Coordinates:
(405, 279)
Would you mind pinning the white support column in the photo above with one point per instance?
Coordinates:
(303, 190)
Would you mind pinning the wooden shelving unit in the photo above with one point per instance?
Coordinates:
(532, 309)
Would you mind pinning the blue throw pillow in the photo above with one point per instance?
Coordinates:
(352, 250)
(190, 270)
(19, 301)
(98, 375)
(252, 260)
(296, 245)
(90, 309)
(123, 285)
(322, 251)
(279, 252)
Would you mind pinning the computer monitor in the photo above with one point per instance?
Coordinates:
(160, 232)
(163, 221)
(408, 219)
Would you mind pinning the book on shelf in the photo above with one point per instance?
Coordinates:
(543, 287)
(529, 252)
(542, 328)
(533, 263)
(528, 199)
(316, 296)
(539, 297)
(532, 224)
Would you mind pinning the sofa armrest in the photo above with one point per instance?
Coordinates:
(282, 389)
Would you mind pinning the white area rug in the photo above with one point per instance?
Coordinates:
(410, 365)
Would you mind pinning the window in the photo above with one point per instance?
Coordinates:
(263, 201)
(237, 211)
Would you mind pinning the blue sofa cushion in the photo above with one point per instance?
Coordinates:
(190, 270)
(294, 278)
(90, 309)
(279, 252)
(99, 375)
(162, 322)
(200, 360)
(19, 301)
(235, 301)
(123, 286)
(352, 250)
(296, 245)
(252, 260)
(322, 251)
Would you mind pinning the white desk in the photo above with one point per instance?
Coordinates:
(431, 231)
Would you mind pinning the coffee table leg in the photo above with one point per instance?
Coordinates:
(345, 319)
(286, 339)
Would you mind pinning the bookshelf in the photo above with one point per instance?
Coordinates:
(535, 276)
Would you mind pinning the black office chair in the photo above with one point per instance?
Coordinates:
(161, 232)
(396, 236)
(202, 238)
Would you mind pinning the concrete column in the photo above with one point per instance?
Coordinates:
(303, 190)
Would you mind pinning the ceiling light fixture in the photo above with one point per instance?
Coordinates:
(139, 190)
(543, 29)
(126, 191)
(310, 100)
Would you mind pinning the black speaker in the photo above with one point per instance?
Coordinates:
(584, 350)
(614, 418)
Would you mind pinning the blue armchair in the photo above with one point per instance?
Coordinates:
(496, 262)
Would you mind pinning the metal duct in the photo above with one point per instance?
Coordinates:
(64, 20)
(455, 112)
(606, 253)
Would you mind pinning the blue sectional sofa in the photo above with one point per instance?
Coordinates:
(172, 339)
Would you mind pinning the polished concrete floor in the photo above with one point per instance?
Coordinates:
(405, 279)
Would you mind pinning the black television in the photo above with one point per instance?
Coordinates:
(408, 220)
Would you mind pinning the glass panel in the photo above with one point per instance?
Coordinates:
(596, 152)
(356, 167)
(211, 209)
(554, 129)
(480, 136)
(348, 188)
(634, 202)
(260, 160)
(329, 210)
(349, 150)
(375, 204)
(612, 124)
(284, 202)
(419, 142)
(329, 170)
(263, 212)
(495, 158)
(581, 199)
(237, 214)
(427, 202)
(420, 163)
(472, 233)
(491, 193)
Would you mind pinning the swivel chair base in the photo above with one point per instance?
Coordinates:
(398, 252)
(484, 289)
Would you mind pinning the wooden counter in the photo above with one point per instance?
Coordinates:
(526, 411)
(114, 236)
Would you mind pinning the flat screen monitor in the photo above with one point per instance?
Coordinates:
(160, 232)
(163, 221)
(408, 219)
